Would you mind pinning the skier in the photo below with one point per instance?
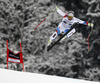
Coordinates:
(67, 21)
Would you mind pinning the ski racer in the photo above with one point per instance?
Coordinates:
(67, 21)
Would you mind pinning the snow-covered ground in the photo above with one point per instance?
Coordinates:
(9, 76)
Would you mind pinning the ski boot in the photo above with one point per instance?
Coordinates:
(49, 42)
(63, 39)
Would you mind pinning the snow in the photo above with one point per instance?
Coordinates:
(9, 76)
(90, 2)
(94, 14)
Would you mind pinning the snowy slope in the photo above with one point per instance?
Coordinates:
(9, 76)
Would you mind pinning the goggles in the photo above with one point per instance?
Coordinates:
(70, 17)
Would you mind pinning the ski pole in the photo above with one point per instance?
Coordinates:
(43, 20)
(88, 38)
(40, 23)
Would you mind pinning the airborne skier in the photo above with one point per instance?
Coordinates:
(67, 21)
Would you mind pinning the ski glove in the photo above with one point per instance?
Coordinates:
(57, 8)
(90, 25)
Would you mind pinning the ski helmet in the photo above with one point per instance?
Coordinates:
(70, 15)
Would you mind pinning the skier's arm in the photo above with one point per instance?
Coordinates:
(61, 12)
(85, 23)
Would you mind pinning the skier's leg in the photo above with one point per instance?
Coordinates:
(54, 35)
(69, 34)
